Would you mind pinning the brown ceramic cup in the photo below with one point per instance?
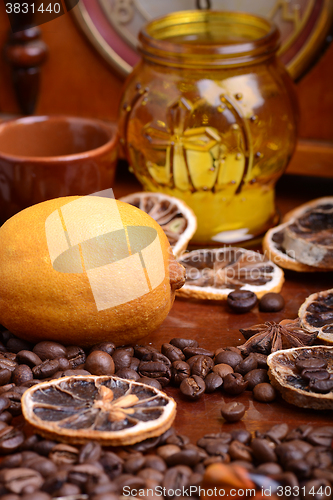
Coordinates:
(45, 157)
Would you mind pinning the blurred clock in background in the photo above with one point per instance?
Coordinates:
(112, 26)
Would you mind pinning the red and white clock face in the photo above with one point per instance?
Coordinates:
(113, 25)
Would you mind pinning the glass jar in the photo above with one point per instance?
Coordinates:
(209, 116)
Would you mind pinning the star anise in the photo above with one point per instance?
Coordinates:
(270, 337)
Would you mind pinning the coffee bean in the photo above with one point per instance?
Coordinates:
(239, 451)
(321, 436)
(62, 454)
(269, 469)
(155, 462)
(314, 375)
(112, 464)
(222, 369)
(16, 480)
(7, 364)
(22, 374)
(264, 392)
(10, 440)
(150, 381)
(149, 474)
(167, 450)
(241, 435)
(192, 387)
(5, 376)
(201, 366)
(43, 465)
(241, 301)
(122, 359)
(234, 384)
(16, 345)
(6, 417)
(213, 381)
(172, 352)
(229, 358)
(134, 464)
(46, 369)
(178, 439)
(76, 356)
(127, 373)
(4, 403)
(263, 450)
(176, 478)
(183, 343)
(255, 377)
(261, 360)
(100, 363)
(248, 364)
(271, 302)
(36, 495)
(233, 412)
(321, 386)
(108, 347)
(184, 457)
(90, 452)
(179, 371)
(28, 358)
(277, 432)
(311, 364)
(156, 366)
(197, 351)
(318, 457)
(49, 350)
(134, 364)
(141, 350)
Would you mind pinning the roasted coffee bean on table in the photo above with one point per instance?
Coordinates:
(241, 301)
(271, 302)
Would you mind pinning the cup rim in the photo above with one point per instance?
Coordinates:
(106, 126)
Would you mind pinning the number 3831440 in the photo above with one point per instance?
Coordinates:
(31, 8)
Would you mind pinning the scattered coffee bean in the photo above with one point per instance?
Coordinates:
(232, 412)
(271, 302)
(192, 387)
(241, 301)
(264, 392)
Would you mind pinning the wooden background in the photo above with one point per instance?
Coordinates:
(75, 80)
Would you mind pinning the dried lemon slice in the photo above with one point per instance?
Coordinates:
(273, 248)
(107, 409)
(316, 315)
(304, 242)
(287, 379)
(214, 273)
(176, 218)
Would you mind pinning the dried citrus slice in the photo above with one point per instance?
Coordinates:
(107, 409)
(287, 378)
(273, 248)
(214, 273)
(304, 242)
(316, 315)
(176, 218)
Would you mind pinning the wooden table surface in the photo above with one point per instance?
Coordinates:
(213, 326)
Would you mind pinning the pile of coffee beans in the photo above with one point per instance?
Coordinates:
(314, 374)
(181, 362)
(298, 460)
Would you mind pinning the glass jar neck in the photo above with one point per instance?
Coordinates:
(208, 39)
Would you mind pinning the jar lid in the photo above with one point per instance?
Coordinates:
(201, 38)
